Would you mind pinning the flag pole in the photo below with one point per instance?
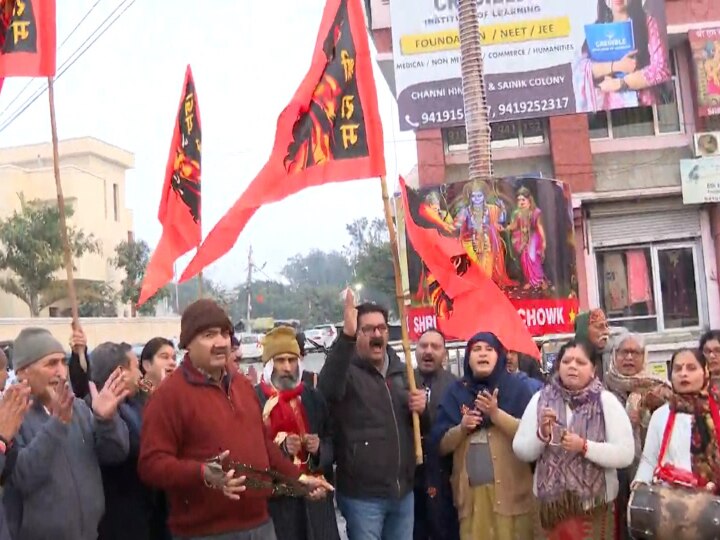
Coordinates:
(72, 296)
(400, 296)
(200, 279)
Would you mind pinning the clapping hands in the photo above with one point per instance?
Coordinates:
(106, 401)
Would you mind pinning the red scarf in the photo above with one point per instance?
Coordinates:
(287, 416)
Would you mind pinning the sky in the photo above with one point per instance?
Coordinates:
(247, 57)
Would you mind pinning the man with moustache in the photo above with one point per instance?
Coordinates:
(201, 417)
(366, 387)
(435, 515)
(592, 327)
(296, 418)
(55, 488)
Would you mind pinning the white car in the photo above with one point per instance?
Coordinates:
(323, 335)
(251, 346)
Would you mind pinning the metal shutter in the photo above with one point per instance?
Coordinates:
(643, 221)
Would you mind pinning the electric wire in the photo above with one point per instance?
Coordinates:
(70, 62)
(31, 81)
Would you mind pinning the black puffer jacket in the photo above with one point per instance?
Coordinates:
(373, 425)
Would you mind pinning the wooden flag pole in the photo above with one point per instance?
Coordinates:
(400, 296)
(72, 296)
(200, 288)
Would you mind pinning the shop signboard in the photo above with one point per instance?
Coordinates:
(541, 58)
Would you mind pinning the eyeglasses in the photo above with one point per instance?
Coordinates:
(629, 352)
(714, 352)
(369, 329)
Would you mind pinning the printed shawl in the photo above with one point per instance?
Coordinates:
(704, 449)
(643, 393)
(567, 483)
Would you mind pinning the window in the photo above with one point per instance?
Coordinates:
(658, 119)
(116, 202)
(511, 134)
(650, 288)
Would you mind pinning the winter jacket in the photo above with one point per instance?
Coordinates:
(372, 422)
(54, 489)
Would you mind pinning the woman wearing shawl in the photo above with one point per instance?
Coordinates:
(640, 394)
(476, 422)
(580, 435)
(682, 436)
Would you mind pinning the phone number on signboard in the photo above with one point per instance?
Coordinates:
(511, 108)
(530, 106)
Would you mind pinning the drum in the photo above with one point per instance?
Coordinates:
(664, 512)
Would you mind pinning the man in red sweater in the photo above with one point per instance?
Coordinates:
(202, 412)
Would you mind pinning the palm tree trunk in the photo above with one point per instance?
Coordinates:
(477, 125)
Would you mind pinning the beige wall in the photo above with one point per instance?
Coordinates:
(97, 330)
(92, 172)
(639, 170)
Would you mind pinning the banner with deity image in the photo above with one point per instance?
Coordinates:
(705, 46)
(519, 231)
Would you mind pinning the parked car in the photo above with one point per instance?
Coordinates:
(323, 335)
(250, 346)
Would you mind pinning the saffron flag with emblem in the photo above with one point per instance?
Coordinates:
(180, 203)
(27, 38)
(330, 131)
(465, 300)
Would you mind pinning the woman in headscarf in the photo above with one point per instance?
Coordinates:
(580, 435)
(640, 393)
(683, 434)
(477, 419)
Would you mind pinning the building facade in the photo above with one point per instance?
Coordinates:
(93, 181)
(624, 171)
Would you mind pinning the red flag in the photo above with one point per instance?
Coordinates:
(27, 38)
(330, 131)
(180, 205)
(466, 300)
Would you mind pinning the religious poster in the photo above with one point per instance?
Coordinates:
(705, 46)
(517, 230)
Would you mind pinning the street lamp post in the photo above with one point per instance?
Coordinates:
(358, 287)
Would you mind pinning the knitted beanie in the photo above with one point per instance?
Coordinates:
(280, 340)
(199, 316)
(31, 345)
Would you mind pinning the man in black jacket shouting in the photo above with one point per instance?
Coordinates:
(365, 385)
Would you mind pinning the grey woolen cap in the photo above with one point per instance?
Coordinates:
(31, 345)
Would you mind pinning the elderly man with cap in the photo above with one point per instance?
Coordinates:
(55, 488)
(200, 418)
(296, 418)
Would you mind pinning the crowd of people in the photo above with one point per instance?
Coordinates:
(125, 447)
